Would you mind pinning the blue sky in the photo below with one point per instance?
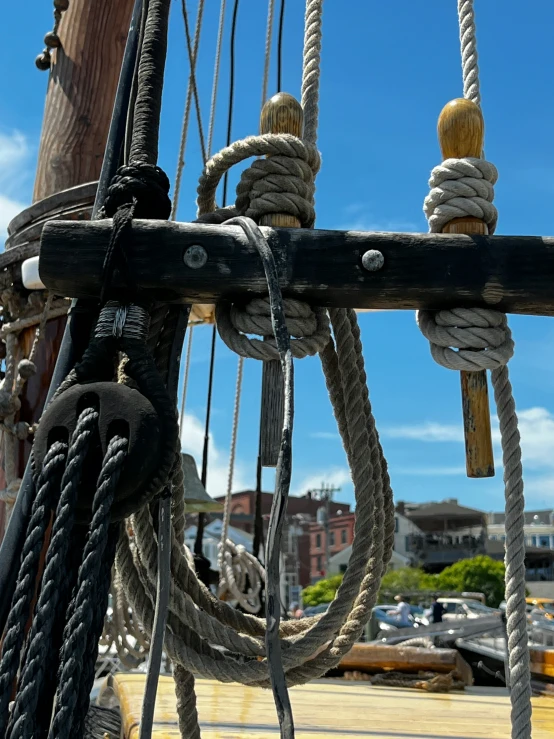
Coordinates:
(387, 70)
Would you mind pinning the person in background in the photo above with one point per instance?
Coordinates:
(403, 610)
(295, 611)
(437, 609)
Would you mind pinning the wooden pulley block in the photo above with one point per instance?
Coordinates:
(121, 410)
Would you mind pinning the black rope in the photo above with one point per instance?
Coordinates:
(206, 447)
(280, 45)
(47, 485)
(282, 480)
(146, 121)
(100, 600)
(160, 616)
(32, 675)
(82, 609)
(231, 92)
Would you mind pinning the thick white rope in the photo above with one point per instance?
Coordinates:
(267, 57)
(198, 622)
(476, 339)
(468, 48)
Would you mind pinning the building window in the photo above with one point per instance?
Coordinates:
(502, 538)
(343, 536)
(395, 525)
(332, 539)
(544, 541)
(319, 563)
(493, 537)
(318, 542)
(534, 541)
(407, 543)
(343, 568)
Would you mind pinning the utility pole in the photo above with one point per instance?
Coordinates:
(325, 495)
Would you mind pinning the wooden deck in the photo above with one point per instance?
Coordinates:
(339, 708)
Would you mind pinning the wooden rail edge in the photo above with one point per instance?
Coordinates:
(513, 274)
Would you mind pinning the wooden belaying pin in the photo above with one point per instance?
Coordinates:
(281, 114)
(461, 131)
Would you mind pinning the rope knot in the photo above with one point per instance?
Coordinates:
(143, 185)
(470, 339)
(282, 183)
(461, 187)
(309, 327)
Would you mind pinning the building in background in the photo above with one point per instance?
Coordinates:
(211, 538)
(539, 528)
(448, 532)
(341, 535)
(339, 562)
(405, 532)
(301, 514)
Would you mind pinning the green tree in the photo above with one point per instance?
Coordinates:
(322, 592)
(405, 580)
(479, 574)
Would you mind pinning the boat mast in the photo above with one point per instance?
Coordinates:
(79, 101)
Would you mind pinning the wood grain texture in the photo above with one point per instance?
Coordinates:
(81, 92)
(281, 114)
(461, 131)
(511, 273)
(329, 708)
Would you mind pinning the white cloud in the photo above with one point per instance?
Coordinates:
(427, 431)
(429, 471)
(335, 476)
(14, 172)
(536, 427)
(358, 218)
(192, 442)
(331, 435)
(8, 209)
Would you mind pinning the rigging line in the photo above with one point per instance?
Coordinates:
(232, 453)
(192, 61)
(186, 114)
(231, 92)
(268, 38)
(215, 82)
(280, 46)
(185, 383)
(205, 450)
(282, 481)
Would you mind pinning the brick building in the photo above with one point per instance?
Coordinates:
(301, 514)
(341, 535)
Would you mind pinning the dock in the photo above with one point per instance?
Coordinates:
(327, 708)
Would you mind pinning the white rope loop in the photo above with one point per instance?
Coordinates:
(242, 576)
(461, 187)
(309, 327)
(470, 339)
(258, 192)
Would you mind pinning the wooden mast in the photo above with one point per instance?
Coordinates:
(79, 101)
